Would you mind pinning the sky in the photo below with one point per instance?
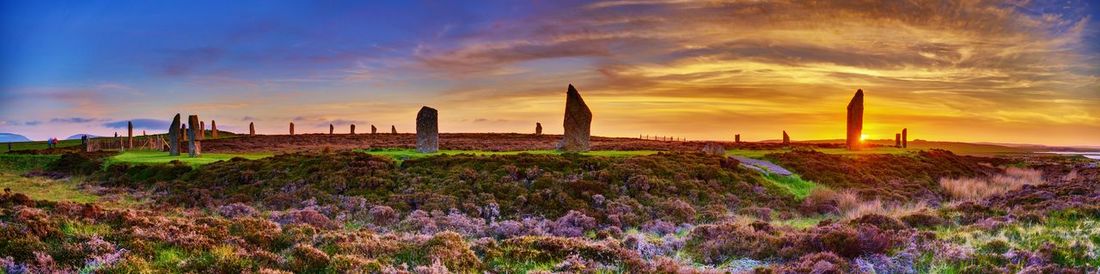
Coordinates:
(977, 71)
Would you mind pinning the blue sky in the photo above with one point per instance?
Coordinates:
(1022, 71)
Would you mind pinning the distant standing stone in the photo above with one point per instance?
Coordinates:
(373, 130)
(427, 130)
(578, 123)
(202, 130)
(213, 129)
(905, 138)
(393, 129)
(786, 138)
(291, 128)
(897, 140)
(251, 129)
(174, 137)
(855, 121)
(538, 128)
(353, 129)
(737, 138)
(194, 146)
(129, 134)
(714, 149)
(331, 129)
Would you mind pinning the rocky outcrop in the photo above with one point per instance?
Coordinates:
(427, 130)
(578, 123)
(855, 121)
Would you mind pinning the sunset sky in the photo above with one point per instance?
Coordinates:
(988, 71)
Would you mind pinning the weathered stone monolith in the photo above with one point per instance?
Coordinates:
(331, 129)
(353, 129)
(786, 138)
(373, 130)
(129, 134)
(905, 138)
(251, 129)
(213, 129)
(737, 138)
(578, 122)
(183, 132)
(897, 140)
(194, 145)
(291, 128)
(538, 128)
(174, 137)
(714, 149)
(855, 121)
(427, 130)
(393, 129)
(202, 130)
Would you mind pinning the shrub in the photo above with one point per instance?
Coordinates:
(973, 189)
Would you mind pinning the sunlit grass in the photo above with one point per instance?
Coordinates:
(45, 189)
(156, 157)
(838, 151)
(34, 145)
(405, 154)
(794, 184)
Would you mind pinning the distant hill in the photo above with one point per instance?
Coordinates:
(12, 137)
(77, 136)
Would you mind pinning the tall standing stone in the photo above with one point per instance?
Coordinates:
(538, 128)
(578, 122)
(373, 130)
(194, 146)
(855, 120)
(291, 128)
(213, 129)
(786, 138)
(331, 129)
(183, 132)
(251, 129)
(897, 140)
(174, 137)
(737, 138)
(202, 130)
(393, 129)
(353, 129)
(905, 138)
(427, 130)
(129, 134)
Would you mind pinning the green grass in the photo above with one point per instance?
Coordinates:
(45, 189)
(793, 184)
(84, 230)
(838, 151)
(36, 145)
(19, 163)
(406, 154)
(156, 157)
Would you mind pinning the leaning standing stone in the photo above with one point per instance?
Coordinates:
(373, 130)
(538, 128)
(786, 138)
(393, 129)
(194, 147)
(427, 130)
(174, 137)
(578, 123)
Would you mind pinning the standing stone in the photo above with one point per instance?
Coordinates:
(905, 138)
(897, 140)
(331, 129)
(143, 133)
(251, 129)
(291, 128)
(393, 129)
(427, 130)
(183, 132)
(352, 129)
(855, 120)
(213, 129)
(202, 130)
(737, 138)
(373, 130)
(786, 138)
(174, 137)
(194, 146)
(538, 128)
(129, 134)
(578, 122)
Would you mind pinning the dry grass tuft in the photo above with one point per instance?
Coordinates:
(973, 189)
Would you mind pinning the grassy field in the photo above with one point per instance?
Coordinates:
(794, 184)
(840, 151)
(45, 189)
(154, 157)
(36, 145)
(19, 163)
(405, 154)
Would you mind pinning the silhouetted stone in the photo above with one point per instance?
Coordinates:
(786, 138)
(174, 137)
(194, 146)
(427, 130)
(393, 129)
(714, 149)
(213, 129)
(578, 123)
(251, 129)
(202, 130)
(352, 129)
(129, 134)
(905, 138)
(291, 128)
(538, 128)
(331, 129)
(183, 133)
(855, 121)
(373, 130)
(897, 140)
(737, 138)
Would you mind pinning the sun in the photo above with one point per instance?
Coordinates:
(862, 137)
